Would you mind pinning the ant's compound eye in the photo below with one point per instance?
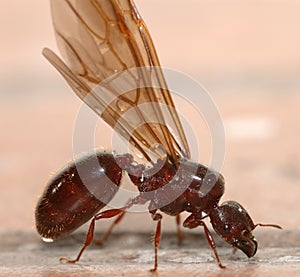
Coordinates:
(246, 233)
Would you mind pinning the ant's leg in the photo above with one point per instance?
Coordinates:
(156, 217)
(192, 223)
(90, 233)
(179, 231)
(109, 231)
(212, 243)
(105, 214)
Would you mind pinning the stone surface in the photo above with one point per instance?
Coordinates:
(131, 254)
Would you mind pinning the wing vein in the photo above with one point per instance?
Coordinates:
(106, 43)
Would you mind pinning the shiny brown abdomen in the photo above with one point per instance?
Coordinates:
(76, 193)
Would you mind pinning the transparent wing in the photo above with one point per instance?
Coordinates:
(112, 65)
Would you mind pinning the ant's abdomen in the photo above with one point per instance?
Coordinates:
(76, 193)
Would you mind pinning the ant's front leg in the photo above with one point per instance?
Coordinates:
(192, 222)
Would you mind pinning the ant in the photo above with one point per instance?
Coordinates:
(100, 40)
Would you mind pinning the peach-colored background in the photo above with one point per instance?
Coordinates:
(246, 53)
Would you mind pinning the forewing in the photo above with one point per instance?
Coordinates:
(112, 65)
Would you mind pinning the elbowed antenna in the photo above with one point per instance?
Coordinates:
(267, 225)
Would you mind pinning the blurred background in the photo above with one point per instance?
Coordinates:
(245, 53)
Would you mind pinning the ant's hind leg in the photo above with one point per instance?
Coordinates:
(105, 214)
(90, 233)
(111, 227)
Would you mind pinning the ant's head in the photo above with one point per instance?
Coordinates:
(232, 222)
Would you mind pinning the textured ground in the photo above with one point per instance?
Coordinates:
(131, 254)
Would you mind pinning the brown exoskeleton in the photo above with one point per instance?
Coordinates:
(100, 40)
